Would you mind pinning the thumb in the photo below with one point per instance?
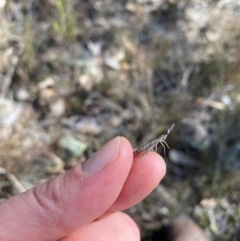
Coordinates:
(69, 201)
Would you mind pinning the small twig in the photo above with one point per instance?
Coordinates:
(153, 144)
(58, 163)
(13, 180)
(6, 81)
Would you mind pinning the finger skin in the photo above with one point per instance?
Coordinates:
(69, 201)
(117, 226)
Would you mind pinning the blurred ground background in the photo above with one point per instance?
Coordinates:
(74, 74)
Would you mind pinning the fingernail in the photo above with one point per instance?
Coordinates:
(103, 157)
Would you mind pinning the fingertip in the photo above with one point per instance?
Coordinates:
(149, 171)
(116, 226)
(127, 221)
(154, 166)
(144, 176)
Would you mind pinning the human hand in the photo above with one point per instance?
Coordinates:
(84, 203)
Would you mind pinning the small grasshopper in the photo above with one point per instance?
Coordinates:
(153, 144)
